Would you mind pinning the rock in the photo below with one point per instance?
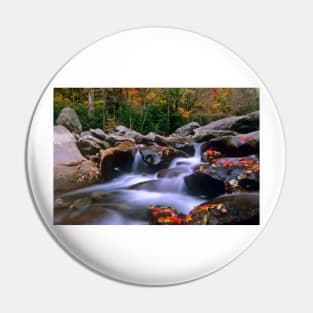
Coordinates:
(242, 208)
(116, 159)
(156, 186)
(160, 157)
(238, 174)
(247, 123)
(130, 133)
(187, 129)
(88, 147)
(75, 175)
(172, 172)
(65, 148)
(114, 139)
(201, 184)
(69, 119)
(203, 133)
(98, 133)
(240, 145)
(163, 215)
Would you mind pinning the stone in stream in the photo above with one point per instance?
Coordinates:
(238, 174)
(172, 172)
(98, 133)
(69, 119)
(115, 160)
(200, 184)
(240, 145)
(160, 157)
(187, 129)
(241, 208)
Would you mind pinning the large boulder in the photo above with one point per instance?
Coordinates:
(238, 174)
(228, 126)
(187, 129)
(75, 175)
(242, 208)
(203, 133)
(98, 133)
(202, 184)
(65, 148)
(240, 145)
(116, 160)
(69, 119)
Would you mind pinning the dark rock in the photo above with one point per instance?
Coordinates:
(187, 129)
(238, 174)
(242, 208)
(172, 172)
(160, 157)
(205, 134)
(204, 185)
(98, 133)
(69, 119)
(113, 161)
(240, 145)
(88, 146)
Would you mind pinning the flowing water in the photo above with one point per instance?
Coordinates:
(124, 200)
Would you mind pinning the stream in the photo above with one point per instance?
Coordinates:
(124, 200)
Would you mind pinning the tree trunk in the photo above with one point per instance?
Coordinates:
(91, 103)
(104, 96)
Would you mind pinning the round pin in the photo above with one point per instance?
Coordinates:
(155, 156)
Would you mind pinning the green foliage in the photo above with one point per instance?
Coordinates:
(159, 110)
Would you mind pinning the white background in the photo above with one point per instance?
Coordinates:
(274, 38)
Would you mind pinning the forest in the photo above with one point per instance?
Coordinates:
(159, 110)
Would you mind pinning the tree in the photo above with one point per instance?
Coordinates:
(91, 103)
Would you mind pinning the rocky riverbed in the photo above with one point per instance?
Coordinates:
(198, 175)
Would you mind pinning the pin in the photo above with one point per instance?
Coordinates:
(155, 156)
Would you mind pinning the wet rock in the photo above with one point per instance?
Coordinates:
(172, 172)
(163, 215)
(75, 175)
(201, 184)
(242, 208)
(161, 156)
(240, 145)
(157, 186)
(65, 148)
(113, 161)
(238, 174)
(69, 119)
(247, 123)
(187, 129)
(114, 139)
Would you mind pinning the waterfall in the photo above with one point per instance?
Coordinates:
(137, 162)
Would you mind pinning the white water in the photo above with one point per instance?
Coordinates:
(168, 191)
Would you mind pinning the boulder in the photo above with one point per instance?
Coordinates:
(238, 174)
(201, 184)
(116, 160)
(75, 175)
(240, 145)
(65, 148)
(90, 145)
(69, 119)
(203, 133)
(130, 133)
(161, 156)
(187, 129)
(172, 172)
(241, 208)
(98, 133)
